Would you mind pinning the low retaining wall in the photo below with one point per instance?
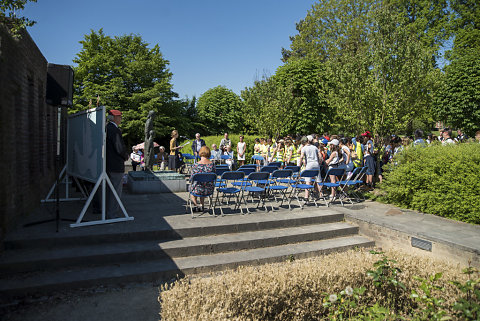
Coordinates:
(390, 238)
(141, 182)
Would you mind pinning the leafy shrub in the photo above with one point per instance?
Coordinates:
(335, 286)
(440, 180)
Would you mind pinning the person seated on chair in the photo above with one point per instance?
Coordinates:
(216, 153)
(228, 151)
(204, 165)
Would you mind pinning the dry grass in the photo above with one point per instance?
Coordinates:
(294, 290)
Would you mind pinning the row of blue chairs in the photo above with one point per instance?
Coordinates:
(247, 186)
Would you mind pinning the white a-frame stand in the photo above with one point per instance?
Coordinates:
(103, 180)
(65, 179)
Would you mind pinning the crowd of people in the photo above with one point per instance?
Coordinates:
(312, 151)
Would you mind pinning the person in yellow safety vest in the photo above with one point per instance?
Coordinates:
(290, 153)
(262, 148)
(279, 151)
(256, 147)
(358, 161)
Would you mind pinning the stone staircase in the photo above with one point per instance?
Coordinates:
(182, 247)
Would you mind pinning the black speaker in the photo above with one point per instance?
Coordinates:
(59, 85)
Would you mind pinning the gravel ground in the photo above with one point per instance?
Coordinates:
(130, 302)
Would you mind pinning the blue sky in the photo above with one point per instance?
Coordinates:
(208, 43)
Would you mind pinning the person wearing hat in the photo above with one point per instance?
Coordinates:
(334, 161)
(116, 154)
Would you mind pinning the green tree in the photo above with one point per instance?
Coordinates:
(458, 104)
(130, 76)
(219, 109)
(10, 18)
(379, 58)
(302, 97)
(466, 27)
(257, 101)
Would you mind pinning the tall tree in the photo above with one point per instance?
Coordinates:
(130, 76)
(219, 110)
(291, 101)
(379, 56)
(458, 103)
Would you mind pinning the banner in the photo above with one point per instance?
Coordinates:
(86, 133)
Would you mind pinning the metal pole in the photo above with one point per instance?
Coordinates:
(57, 166)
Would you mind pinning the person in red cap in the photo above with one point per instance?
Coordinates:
(116, 155)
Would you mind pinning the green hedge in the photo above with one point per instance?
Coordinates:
(440, 180)
(209, 140)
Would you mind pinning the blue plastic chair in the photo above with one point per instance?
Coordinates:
(300, 186)
(189, 160)
(278, 187)
(246, 171)
(329, 184)
(248, 166)
(349, 185)
(258, 158)
(219, 171)
(230, 191)
(202, 178)
(276, 164)
(255, 189)
(268, 169)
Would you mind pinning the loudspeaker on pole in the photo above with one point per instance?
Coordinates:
(59, 85)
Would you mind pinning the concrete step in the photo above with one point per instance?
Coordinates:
(166, 268)
(18, 261)
(181, 226)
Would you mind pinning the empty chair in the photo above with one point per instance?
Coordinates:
(329, 182)
(355, 182)
(246, 171)
(300, 186)
(277, 187)
(202, 178)
(276, 164)
(219, 171)
(348, 185)
(189, 160)
(255, 189)
(295, 170)
(268, 169)
(249, 166)
(229, 178)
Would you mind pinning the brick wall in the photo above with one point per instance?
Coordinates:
(27, 129)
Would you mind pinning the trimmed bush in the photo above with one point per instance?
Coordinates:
(439, 180)
(300, 290)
